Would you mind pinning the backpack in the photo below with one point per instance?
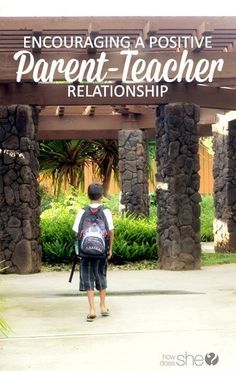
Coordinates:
(93, 234)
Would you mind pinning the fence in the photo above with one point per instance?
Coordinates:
(206, 183)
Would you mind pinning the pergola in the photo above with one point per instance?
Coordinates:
(73, 116)
(44, 111)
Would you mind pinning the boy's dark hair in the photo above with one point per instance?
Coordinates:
(95, 191)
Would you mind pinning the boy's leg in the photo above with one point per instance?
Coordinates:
(100, 272)
(92, 310)
(103, 306)
(87, 283)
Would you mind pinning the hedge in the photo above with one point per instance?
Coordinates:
(135, 238)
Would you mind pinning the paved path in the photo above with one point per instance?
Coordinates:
(156, 315)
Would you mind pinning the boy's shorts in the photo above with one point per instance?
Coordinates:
(93, 271)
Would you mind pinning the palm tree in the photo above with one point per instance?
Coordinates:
(105, 158)
(64, 161)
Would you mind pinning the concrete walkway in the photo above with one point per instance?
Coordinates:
(156, 316)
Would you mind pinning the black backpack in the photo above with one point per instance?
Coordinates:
(93, 234)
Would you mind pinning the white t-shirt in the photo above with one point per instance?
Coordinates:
(107, 213)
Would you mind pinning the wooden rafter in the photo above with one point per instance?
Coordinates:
(89, 111)
(44, 94)
(8, 66)
(72, 127)
(60, 110)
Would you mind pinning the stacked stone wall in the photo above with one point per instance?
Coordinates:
(134, 171)
(19, 196)
(178, 184)
(224, 171)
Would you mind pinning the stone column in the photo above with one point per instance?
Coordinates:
(177, 186)
(134, 171)
(19, 197)
(224, 171)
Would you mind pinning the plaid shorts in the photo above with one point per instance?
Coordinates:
(93, 271)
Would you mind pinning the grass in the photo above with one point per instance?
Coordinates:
(217, 258)
(207, 259)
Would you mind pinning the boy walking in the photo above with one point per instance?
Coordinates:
(93, 268)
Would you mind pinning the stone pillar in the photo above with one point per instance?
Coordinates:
(134, 171)
(224, 171)
(177, 186)
(19, 197)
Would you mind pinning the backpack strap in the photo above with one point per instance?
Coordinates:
(82, 221)
(102, 216)
(89, 210)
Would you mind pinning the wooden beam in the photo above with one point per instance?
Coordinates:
(91, 123)
(72, 134)
(89, 111)
(52, 133)
(123, 110)
(72, 124)
(56, 94)
(114, 23)
(204, 29)
(204, 130)
(8, 66)
(60, 110)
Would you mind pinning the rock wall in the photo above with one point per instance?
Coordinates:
(19, 197)
(177, 186)
(224, 171)
(134, 171)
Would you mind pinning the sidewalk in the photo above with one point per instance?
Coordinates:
(155, 314)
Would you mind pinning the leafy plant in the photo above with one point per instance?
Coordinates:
(135, 238)
(64, 161)
(4, 327)
(105, 156)
(207, 217)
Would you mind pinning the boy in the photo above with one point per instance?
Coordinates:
(95, 270)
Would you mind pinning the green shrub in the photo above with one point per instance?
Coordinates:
(207, 217)
(57, 237)
(135, 238)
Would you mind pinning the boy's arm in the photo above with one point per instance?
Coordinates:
(111, 238)
(77, 222)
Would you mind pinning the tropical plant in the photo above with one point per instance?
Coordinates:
(207, 142)
(105, 158)
(64, 161)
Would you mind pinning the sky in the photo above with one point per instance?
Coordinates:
(17, 8)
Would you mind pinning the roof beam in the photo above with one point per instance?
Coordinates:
(205, 29)
(113, 23)
(56, 94)
(60, 110)
(101, 127)
(89, 111)
(111, 122)
(8, 66)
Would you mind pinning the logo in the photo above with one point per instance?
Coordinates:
(211, 359)
(189, 359)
